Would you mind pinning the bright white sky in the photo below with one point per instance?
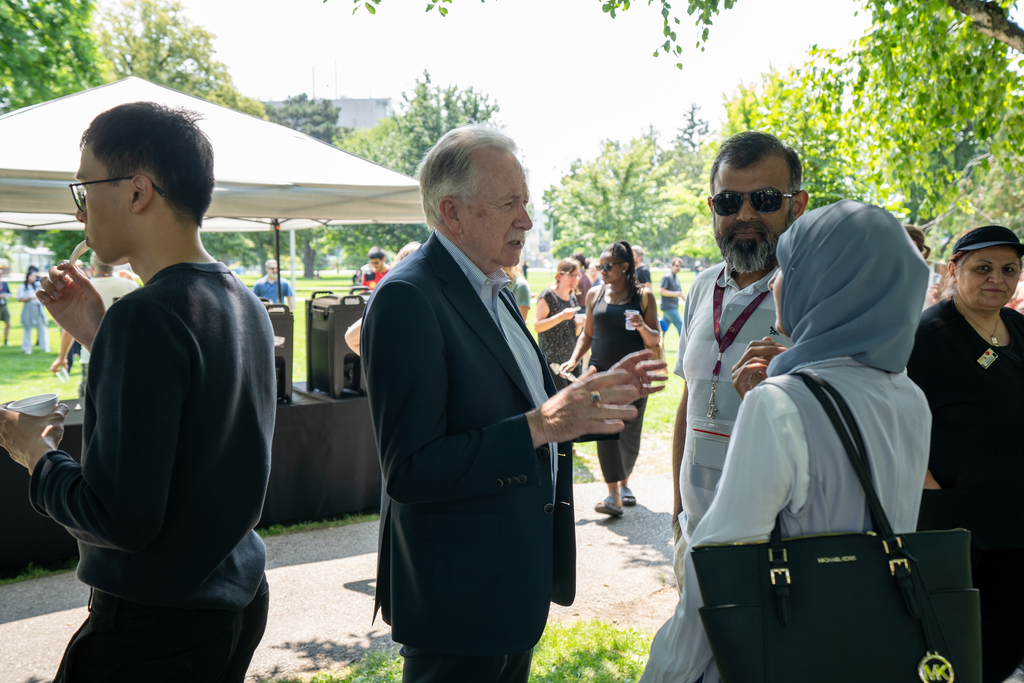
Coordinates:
(565, 75)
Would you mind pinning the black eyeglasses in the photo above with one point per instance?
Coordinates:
(729, 203)
(605, 267)
(78, 190)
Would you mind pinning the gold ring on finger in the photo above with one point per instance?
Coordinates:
(595, 396)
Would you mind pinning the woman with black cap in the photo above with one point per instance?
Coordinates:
(968, 359)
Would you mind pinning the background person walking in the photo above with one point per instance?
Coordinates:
(32, 314)
(555, 322)
(621, 319)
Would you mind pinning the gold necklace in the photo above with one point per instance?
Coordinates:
(992, 337)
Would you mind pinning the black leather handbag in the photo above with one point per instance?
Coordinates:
(843, 607)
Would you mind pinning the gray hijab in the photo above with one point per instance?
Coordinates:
(852, 285)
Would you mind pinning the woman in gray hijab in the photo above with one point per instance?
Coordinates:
(848, 292)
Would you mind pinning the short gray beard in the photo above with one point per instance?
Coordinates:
(750, 256)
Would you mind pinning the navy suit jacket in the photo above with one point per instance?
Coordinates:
(474, 543)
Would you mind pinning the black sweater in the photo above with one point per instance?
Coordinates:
(179, 419)
(977, 453)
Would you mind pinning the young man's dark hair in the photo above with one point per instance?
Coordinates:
(376, 252)
(167, 143)
(751, 146)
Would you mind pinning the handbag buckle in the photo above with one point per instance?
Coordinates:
(902, 561)
(780, 570)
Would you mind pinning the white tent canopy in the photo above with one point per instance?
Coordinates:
(264, 171)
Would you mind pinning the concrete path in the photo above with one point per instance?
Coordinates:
(321, 586)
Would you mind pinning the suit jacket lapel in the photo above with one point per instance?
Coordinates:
(472, 309)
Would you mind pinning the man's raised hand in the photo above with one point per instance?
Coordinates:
(72, 301)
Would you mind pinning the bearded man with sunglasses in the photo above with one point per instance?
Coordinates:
(178, 425)
(756, 195)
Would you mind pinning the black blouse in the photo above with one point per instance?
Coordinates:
(977, 415)
(612, 341)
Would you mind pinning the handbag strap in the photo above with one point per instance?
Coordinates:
(903, 565)
(846, 426)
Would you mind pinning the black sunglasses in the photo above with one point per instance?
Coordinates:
(605, 267)
(729, 203)
(79, 193)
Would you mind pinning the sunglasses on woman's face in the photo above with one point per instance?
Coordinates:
(729, 203)
(605, 267)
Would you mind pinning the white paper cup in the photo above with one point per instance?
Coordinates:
(36, 406)
(581, 318)
(629, 313)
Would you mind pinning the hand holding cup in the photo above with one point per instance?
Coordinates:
(31, 428)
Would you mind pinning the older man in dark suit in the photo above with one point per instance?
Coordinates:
(477, 530)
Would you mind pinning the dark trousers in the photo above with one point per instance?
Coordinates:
(997, 576)
(617, 458)
(127, 641)
(421, 666)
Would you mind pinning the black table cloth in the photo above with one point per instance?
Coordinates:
(323, 463)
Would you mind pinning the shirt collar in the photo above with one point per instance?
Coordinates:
(476, 277)
(725, 280)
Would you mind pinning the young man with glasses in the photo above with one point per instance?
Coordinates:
(178, 425)
(756, 195)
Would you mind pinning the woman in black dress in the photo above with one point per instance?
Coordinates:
(622, 318)
(969, 360)
(555, 321)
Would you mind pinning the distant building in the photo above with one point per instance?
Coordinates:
(355, 112)
(22, 257)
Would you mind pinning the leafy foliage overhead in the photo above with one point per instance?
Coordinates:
(990, 18)
(47, 51)
(154, 40)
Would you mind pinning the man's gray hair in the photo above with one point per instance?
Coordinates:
(99, 266)
(448, 170)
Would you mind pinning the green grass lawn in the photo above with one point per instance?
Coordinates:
(576, 652)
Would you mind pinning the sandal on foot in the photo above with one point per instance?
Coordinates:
(628, 499)
(608, 507)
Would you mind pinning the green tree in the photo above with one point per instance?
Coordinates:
(315, 118)
(617, 196)
(399, 143)
(809, 119)
(60, 242)
(47, 51)
(154, 40)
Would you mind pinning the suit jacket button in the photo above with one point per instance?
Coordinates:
(548, 508)
(543, 452)
(522, 478)
(508, 482)
(498, 483)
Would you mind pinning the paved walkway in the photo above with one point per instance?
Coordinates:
(322, 583)
(321, 586)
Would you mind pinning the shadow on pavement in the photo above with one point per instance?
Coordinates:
(641, 527)
(321, 655)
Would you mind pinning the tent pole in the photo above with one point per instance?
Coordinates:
(277, 254)
(291, 238)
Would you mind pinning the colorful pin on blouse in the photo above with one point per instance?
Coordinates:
(988, 358)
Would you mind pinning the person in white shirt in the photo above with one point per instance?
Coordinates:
(110, 287)
(755, 183)
(848, 292)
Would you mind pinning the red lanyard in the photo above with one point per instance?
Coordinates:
(730, 336)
